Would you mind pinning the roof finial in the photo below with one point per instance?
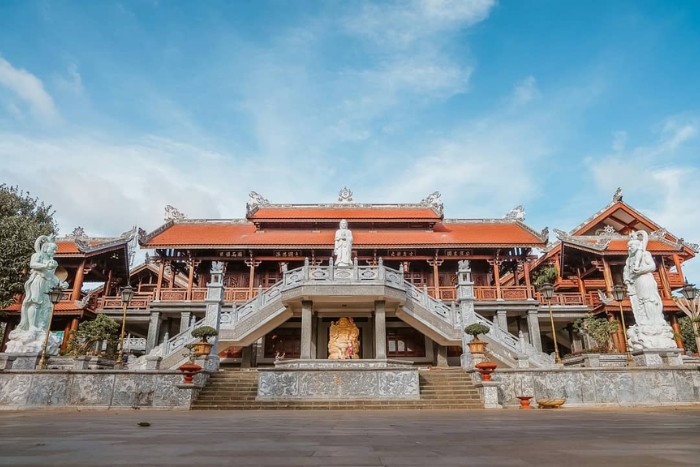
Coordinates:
(617, 196)
(517, 213)
(172, 213)
(345, 195)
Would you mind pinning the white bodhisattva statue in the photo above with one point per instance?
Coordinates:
(651, 331)
(28, 336)
(343, 245)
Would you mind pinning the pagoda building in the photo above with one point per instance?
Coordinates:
(83, 260)
(415, 238)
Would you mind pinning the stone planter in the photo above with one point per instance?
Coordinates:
(202, 348)
(525, 402)
(189, 370)
(476, 346)
(485, 369)
(550, 403)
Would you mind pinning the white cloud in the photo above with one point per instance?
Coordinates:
(29, 88)
(400, 24)
(526, 91)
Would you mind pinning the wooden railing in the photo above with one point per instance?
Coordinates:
(138, 302)
(567, 298)
(518, 292)
(446, 294)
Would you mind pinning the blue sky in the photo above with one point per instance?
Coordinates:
(111, 110)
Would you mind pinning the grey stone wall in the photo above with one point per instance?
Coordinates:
(103, 389)
(641, 386)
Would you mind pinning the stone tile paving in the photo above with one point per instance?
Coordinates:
(570, 438)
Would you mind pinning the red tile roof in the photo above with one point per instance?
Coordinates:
(63, 306)
(377, 214)
(244, 235)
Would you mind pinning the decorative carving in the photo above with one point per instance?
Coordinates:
(463, 265)
(217, 267)
(344, 342)
(604, 298)
(345, 195)
(257, 200)
(617, 196)
(343, 245)
(172, 213)
(28, 336)
(517, 213)
(78, 232)
(433, 201)
(544, 235)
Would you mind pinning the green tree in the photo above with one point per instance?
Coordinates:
(688, 334)
(600, 330)
(22, 220)
(85, 340)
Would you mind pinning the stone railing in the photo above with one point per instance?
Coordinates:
(509, 347)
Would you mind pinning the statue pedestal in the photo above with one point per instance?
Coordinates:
(338, 380)
(657, 357)
(19, 361)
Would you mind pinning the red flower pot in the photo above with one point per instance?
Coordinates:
(525, 402)
(485, 368)
(189, 370)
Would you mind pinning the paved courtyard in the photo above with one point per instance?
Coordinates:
(568, 437)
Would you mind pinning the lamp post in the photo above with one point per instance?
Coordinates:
(55, 295)
(547, 291)
(690, 305)
(619, 292)
(127, 295)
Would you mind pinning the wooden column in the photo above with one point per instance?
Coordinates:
(159, 284)
(66, 335)
(190, 278)
(677, 262)
(557, 259)
(607, 276)
(78, 281)
(435, 263)
(252, 264)
(676, 331)
(172, 275)
(108, 284)
(581, 286)
(663, 275)
(496, 275)
(526, 273)
(617, 338)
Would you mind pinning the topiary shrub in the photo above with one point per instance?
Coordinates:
(204, 332)
(476, 329)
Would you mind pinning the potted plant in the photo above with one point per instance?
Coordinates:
(474, 330)
(203, 347)
(190, 369)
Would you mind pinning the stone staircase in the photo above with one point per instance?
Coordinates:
(449, 389)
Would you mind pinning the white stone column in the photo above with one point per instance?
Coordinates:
(153, 330)
(533, 325)
(184, 320)
(380, 329)
(306, 329)
(502, 319)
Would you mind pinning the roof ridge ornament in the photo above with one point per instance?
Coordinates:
(433, 201)
(517, 213)
(345, 195)
(172, 213)
(617, 196)
(257, 199)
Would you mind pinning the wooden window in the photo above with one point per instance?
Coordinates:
(404, 342)
(416, 278)
(283, 342)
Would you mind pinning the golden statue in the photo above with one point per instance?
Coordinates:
(344, 340)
